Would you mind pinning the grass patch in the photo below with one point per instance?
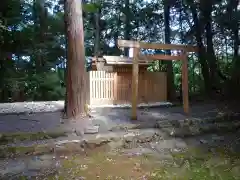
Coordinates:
(198, 165)
(8, 138)
(101, 165)
(9, 152)
(13, 151)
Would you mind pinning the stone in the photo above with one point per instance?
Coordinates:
(217, 138)
(12, 167)
(91, 129)
(93, 143)
(123, 127)
(129, 137)
(194, 130)
(163, 124)
(180, 144)
(147, 135)
(164, 145)
(43, 162)
(116, 144)
(203, 141)
(138, 151)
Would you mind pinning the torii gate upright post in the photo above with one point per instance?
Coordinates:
(185, 82)
(136, 55)
(135, 75)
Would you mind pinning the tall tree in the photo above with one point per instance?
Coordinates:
(202, 51)
(97, 29)
(76, 72)
(167, 35)
(206, 8)
(127, 26)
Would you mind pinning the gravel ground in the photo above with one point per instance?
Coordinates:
(46, 116)
(31, 107)
(53, 106)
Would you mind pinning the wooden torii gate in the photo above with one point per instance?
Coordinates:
(137, 46)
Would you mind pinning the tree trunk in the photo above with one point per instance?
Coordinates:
(97, 32)
(206, 9)
(170, 75)
(76, 72)
(235, 76)
(202, 51)
(117, 51)
(127, 24)
(43, 29)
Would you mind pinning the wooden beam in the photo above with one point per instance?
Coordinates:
(135, 83)
(185, 84)
(123, 60)
(135, 44)
(142, 59)
(161, 57)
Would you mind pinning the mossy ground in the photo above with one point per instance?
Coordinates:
(193, 164)
(7, 138)
(10, 138)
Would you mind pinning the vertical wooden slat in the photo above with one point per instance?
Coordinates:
(97, 82)
(115, 87)
(90, 84)
(101, 86)
(185, 83)
(135, 83)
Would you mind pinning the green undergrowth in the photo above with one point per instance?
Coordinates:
(198, 165)
(13, 151)
(193, 164)
(17, 151)
(7, 138)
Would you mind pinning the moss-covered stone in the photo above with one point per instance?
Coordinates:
(7, 138)
(199, 165)
(14, 151)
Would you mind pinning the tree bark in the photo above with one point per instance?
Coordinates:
(127, 24)
(206, 9)
(202, 51)
(97, 32)
(170, 75)
(233, 89)
(76, 85)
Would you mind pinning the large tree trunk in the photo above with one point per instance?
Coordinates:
(76, 73)
(127, 28)
(97, 31)
(202, 51)
(233, 89)
(170, 75)
(40, 28)
(206, 9)
(117, 51)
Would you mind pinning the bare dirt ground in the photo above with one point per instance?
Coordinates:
(107, 118)
(125, 149)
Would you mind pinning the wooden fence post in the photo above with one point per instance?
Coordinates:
(135, 83)
(185, 83)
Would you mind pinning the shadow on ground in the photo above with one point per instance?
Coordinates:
(106, 118)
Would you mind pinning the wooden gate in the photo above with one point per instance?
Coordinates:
(115, 87)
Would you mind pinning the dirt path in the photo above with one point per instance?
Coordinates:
(135, 157)
(125, 149)
(106, 118)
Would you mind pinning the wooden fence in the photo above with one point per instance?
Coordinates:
(115, 87)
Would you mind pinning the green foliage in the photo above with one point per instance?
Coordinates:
(32, 41)
(91, 7)
(199, 165)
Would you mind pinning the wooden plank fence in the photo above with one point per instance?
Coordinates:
(115, 87)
